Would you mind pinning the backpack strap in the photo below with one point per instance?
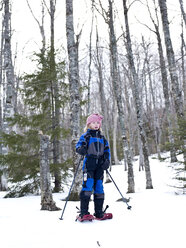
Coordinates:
(104, 139)
(107, 153)
(87, 138)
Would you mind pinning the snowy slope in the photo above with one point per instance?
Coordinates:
(157, 217)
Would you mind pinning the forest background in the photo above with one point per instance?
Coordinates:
(62, 60)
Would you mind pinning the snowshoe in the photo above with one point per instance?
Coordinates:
(86, 217)
(105, 216)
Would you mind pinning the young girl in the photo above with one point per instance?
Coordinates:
(93, 145)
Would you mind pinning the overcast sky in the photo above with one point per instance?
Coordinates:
(26, 37)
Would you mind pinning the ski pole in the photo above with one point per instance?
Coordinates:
(71, 187)
(123, 198)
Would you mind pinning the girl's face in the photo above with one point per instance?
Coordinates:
(94, 125)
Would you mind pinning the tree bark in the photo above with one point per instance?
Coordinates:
(9, 79)
(115, 117)
(141, 158)
(177, 93)
(184, 87)
(47, 202)
(137, 100)
(156, 124)
(171, 60)
(90, 63)
(182, 11)
(118, 97)
(55, 101)
(1, 84)
(102, 94)
(164, 80)
(98, 65)
(8, 66)
(74, 92)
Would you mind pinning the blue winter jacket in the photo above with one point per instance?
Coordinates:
(97, 146)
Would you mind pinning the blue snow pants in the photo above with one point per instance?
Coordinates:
(92, 178)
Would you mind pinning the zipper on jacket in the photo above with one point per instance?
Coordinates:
(97, 143)
(97, 147)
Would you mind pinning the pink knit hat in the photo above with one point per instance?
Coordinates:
(94, 118)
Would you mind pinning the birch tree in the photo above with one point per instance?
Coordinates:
(90, 62)
(177, 94)
(99, 68)
(8, 70)
(156, 123)
(118, 97)
(99, 65)
(183, 53)
(55, 100)
(1, 106)
(115, 117)
(74, 92)
(182, 11)
(47, 202)
(165, 84)
(137, 99)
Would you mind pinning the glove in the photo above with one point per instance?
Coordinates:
(83, 149)
(106, 164)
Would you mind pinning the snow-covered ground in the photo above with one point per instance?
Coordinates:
(157, 218)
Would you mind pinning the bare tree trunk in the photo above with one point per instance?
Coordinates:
(168, 109)
(102, 94)
(9, 79)
(141, 158)
(90, 63)
(17, 81)
(118, 97)
(1, 88)
(129, 114)
(155, 117)
(171, 60)
(56, 104)
(182, 11)
(47, 202)
(177, 93)
(115, 116)
(98, 65)
(137, 99)
(8, 66)
(74, 92)
(184, 86)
